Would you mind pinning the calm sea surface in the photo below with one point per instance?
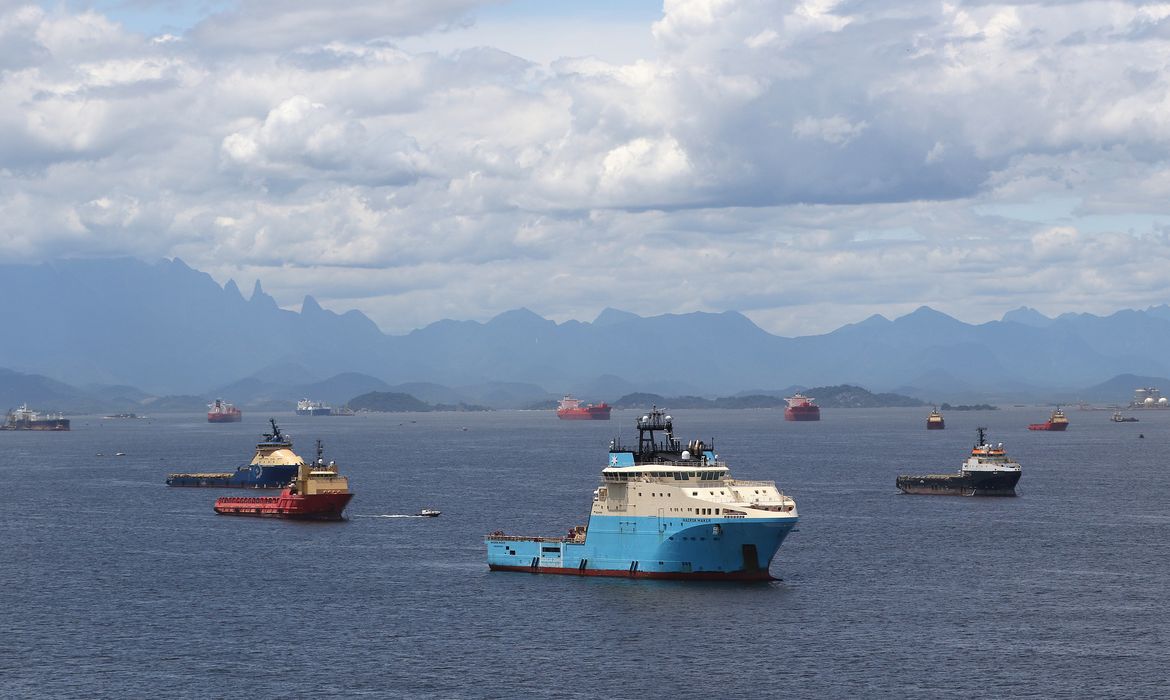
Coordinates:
(118, 586)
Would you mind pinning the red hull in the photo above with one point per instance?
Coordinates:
(588, 413)
(1048, 426)
(757, 576)
(224, 417)
(323, 506)
(802, 413)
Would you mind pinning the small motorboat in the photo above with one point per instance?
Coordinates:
(428, 513)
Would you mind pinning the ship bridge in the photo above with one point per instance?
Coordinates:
(664, 477)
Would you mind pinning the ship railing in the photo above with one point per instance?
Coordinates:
(247, 499)
(500, 537)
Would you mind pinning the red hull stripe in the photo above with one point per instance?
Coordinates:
(621, 573)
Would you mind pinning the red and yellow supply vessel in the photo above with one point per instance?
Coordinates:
(221, 411)
(571, 409)
(935, 421)
(801, 407)
(1057, 421)
(318, 493)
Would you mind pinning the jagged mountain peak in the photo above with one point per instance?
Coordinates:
(925, 316)
(519, 318)
(1027, 316)
(233, 290)
(610, 316)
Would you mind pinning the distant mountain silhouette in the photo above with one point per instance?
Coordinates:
(168, 329)
(1119, 389)
(1027, 316)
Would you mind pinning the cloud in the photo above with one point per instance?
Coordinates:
(784, 158)
(259, 26)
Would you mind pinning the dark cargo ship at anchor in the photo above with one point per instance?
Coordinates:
(987, 472)
(273, 467)
(24, 418)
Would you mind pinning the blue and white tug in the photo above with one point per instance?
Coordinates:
(662, 511)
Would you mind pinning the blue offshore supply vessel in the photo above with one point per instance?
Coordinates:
(273, 467)
(662, 511)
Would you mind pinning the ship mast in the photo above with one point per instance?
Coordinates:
(650, 423)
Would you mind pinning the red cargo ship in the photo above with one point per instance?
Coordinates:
(223, 412)
(801, 407)
(318, 493)
(571, 409)
(1057, 421)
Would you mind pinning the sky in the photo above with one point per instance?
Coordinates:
(805, 163)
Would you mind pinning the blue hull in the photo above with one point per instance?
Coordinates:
(650, 547)
(250, 477)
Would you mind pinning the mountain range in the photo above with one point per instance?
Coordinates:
(128, 329)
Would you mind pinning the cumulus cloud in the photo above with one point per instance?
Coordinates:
(808, 155)
(275, 25)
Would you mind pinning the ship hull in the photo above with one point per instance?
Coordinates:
(583, 414)
(967, 484)
(314, 411)
(935, 425)
(250, 477)
(619, 573)
(52, 424)
(224, 417)
(802, 413)
(709, 549)
(1057, 427)
(327, 506)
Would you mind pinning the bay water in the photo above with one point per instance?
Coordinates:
(117, 586)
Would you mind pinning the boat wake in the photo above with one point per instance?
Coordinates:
(391, 515)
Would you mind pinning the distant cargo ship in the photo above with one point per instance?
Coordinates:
(935, 421)
(318, 492)
(664, 511)
(24, 418)
(273, 466)
(305, 407)
(570, 408)
(1057, 421)
(221, 411)
(987, 472)
(801, 407)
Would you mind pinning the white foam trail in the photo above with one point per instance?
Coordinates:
(396, 515)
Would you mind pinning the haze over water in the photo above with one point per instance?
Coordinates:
(119, 586)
